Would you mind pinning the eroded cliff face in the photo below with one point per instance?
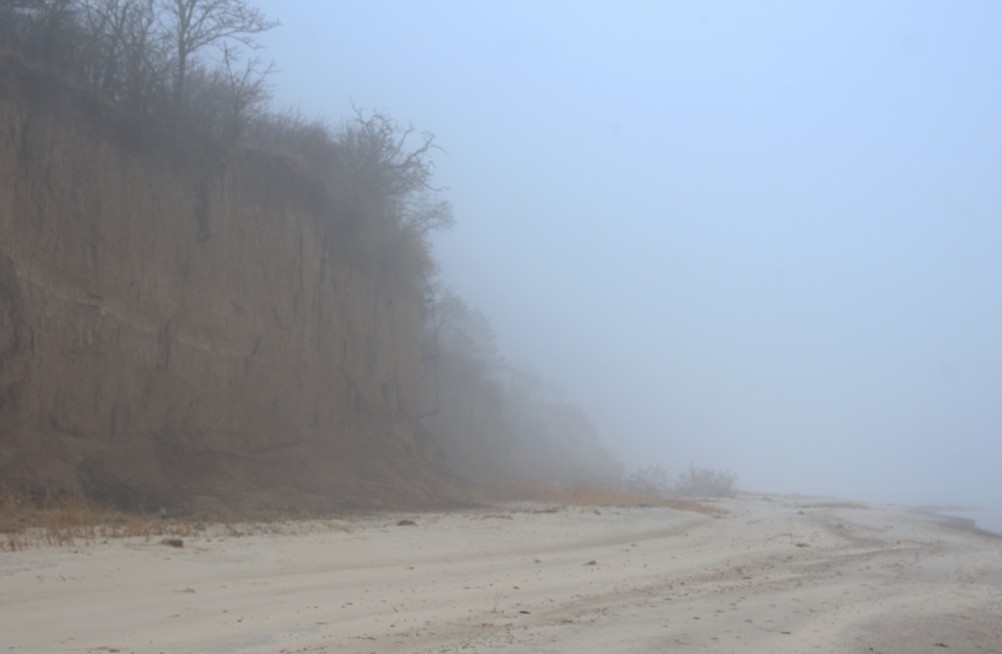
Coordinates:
(491, 437)
(186, 324)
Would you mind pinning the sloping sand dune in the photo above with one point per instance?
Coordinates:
(774, 575)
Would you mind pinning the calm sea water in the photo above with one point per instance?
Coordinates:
(987, 519)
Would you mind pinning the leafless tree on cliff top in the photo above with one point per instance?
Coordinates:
(195, 24)
(40, 28)
(383, 164)
(247, 90)
(126, 56)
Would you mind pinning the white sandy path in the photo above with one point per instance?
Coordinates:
(773, 576)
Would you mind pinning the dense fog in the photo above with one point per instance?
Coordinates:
(756, 236)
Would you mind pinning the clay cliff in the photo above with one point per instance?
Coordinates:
(493, 432)
(186, 323)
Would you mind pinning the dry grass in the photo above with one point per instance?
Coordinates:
(833, 505)
(51, 519)
(595, 495)
(28, 520)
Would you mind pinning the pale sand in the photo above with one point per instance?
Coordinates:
(775, 575)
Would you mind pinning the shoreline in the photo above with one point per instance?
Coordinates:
(773, 574)
(976, 518)
(990, 524)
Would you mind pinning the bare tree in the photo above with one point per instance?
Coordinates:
(651, 481)
(425, 214)
(390, 173)
(126, 56)
(445, 311)
(147, 67)
(105, 23)
(245, 91)
(380, 159)
(290, 132)
(42, 28)
(196, 24)
(16, 18)
(703, 482)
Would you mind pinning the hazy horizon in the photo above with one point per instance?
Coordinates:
(762, 237)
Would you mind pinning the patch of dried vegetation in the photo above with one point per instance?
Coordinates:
(58, 519)
(833, 505)
(593, 495)
(53, 519)
(28, 520)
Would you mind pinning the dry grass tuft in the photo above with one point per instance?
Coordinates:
(594, 495)
(53, 519)
(833, 505)
(49, 518)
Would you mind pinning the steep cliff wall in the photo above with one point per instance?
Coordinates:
(182, 323)
(490, 435)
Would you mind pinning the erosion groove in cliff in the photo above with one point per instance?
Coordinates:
(185, 323)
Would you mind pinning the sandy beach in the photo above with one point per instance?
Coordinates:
(771, 575)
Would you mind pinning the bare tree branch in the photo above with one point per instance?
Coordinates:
(196, 24)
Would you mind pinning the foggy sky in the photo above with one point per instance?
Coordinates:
(757, 236)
